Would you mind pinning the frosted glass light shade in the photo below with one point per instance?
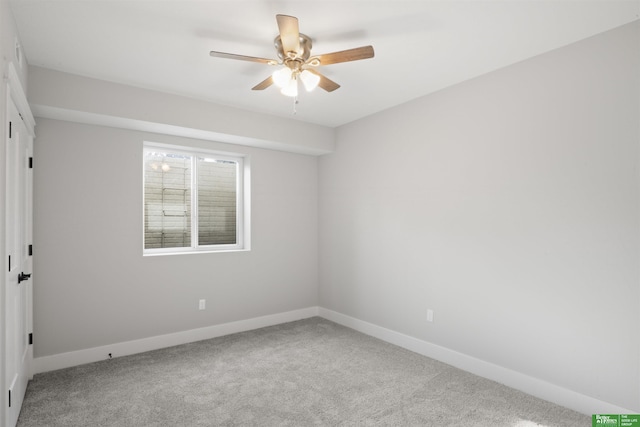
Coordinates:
(291, 89)
(281, 77)
(309, 80)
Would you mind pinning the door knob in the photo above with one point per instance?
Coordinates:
(22, 277)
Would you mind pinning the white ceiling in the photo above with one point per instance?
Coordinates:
(420, 46)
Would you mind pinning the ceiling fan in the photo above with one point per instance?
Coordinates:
(294, 53)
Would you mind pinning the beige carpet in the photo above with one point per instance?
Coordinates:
(305, 373)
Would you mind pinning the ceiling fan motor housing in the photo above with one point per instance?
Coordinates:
(303, 53)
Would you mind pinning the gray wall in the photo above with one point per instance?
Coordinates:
(96, 288)
(508, 204)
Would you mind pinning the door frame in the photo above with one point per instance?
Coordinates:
(14, 93)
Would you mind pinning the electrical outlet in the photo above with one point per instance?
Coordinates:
(202, 304)
(429, 315)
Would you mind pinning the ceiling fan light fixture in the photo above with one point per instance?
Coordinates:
(309, 80)
(294, 51)
(282, 77)
(291, 89)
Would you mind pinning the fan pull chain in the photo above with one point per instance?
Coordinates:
(295, 105)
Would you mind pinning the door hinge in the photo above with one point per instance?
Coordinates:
(9, 398)
(9, 262)
(31, 338)
(30, 162)
(30, 250)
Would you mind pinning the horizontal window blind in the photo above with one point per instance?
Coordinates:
(217, 182)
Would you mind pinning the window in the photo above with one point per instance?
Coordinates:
(193, 200)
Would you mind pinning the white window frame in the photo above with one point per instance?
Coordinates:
(242, 200)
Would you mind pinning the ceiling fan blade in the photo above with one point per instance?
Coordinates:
(263, 84)
(355, 54)
(325, 83)
(242, 57)
(289, 33)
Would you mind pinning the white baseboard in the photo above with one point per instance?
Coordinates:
(80, 357)
(530, 385)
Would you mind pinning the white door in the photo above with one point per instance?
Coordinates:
(18, 284)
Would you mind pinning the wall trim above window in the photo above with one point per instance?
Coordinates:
(98, 102)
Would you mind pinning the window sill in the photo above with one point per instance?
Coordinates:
(223, 251)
